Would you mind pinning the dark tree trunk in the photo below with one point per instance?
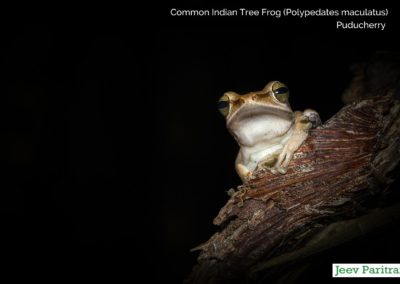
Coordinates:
(334, 183)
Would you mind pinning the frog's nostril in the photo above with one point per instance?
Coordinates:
(262, 95)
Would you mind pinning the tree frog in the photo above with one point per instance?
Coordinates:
(265, 127)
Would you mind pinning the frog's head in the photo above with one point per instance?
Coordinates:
(251, 115)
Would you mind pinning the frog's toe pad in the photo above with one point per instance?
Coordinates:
(312, 117)
(249, 176)
(274, 171)
(282, 170)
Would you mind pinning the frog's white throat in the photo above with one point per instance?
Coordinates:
(261, 129)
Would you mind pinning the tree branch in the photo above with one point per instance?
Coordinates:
(342, 171)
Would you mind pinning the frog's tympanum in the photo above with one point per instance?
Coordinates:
(265, 127)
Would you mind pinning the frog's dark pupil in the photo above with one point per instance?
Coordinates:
(223, 104)
(281, 90)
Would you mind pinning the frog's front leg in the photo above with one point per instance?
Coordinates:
(303, 122)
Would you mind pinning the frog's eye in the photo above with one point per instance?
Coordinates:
(224, 105)
(281, 92)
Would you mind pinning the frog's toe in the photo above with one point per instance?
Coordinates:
(249, 176)
(274, 171)
(313, 117)
(282, 170)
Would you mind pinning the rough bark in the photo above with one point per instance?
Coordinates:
(341, 172)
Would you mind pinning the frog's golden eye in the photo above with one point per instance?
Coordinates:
(224, 105)
(281, 92)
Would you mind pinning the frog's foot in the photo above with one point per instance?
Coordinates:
(244, 173)
(267, 163)
(279, 169)
(284, 158)
(274, 170)
(248, 177)
(311, 116)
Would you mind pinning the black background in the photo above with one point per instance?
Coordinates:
(117, 159)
